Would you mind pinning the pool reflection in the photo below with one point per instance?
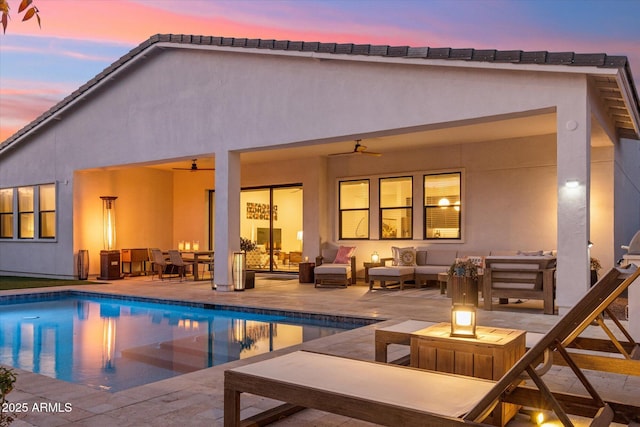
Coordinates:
(114, 345)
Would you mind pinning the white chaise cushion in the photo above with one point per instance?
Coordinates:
(396, 271)
(333, 269)
(430, 269)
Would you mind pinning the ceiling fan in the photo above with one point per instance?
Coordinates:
(358, 149)
(194, 167)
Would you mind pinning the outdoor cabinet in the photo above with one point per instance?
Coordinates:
(134, 261)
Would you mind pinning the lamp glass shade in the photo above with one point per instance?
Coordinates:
(375, 257)
(463, 321)
(109, 222)
(238, 270)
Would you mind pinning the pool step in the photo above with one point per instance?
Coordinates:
(166, 359)
(183, 355)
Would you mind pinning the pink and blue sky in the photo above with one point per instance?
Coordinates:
(79, 38)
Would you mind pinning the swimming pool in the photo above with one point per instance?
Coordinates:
(115, 343)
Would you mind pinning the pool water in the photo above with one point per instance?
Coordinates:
(115, 344)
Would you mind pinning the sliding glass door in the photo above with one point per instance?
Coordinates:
(271, 218)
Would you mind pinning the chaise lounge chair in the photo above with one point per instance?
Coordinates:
(396, 395)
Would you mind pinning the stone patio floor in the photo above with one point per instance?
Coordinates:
(196, 398)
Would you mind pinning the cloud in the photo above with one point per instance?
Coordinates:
(34, 50)
(23, 101)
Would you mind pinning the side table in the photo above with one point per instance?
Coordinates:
(367, 266)
(305, 272)
(443, 280)
(489, 356)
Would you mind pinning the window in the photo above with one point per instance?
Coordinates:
(6, 213)
(396, 205)
(354, 209)
(25, 213)
(47, 208)
(442, 206)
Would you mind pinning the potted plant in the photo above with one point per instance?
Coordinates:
(247, 245)
(7, 380)
(463, 279)
(463, 268)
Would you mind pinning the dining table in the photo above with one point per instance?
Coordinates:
(198, 257)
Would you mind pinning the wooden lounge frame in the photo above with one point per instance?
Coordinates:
(397, 395)
(333, 279)
(509, 270)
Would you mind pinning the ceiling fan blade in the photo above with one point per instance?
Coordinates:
(358, 149)
(371, 153)
(194, 167)
(348, 153)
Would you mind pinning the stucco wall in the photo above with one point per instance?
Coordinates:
(182, 103)
(144, 209)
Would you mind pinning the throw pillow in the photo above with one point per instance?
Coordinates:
(344, 254)
(395, 255)
(407, 257)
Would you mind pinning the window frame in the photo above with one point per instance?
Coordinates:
(10, 214)
(426, 208)
(342, 210)
(27, 213)
(19, 214)
(394, 208)
(47, 211)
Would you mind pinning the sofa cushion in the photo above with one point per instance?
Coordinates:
(396, 271)
(441, 257)
(513, 285)
(530, 253)
(332, 269)
(344, 254)
(421, 256)
(431, 269)
(531, 262)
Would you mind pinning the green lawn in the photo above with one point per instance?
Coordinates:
(15, 282)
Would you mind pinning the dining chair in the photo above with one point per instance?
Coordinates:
(181, 264)
(160, 264)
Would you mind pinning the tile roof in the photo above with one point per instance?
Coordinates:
(600, 60)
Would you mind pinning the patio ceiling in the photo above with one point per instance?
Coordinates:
(518, 127)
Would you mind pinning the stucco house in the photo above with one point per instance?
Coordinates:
(540, 150)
